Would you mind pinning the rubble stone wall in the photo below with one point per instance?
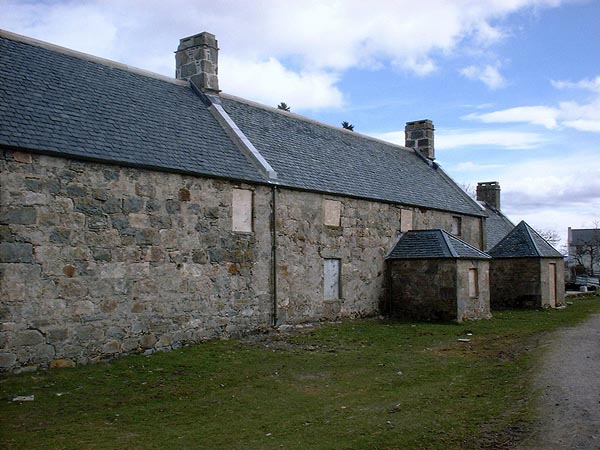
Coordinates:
(98, 260)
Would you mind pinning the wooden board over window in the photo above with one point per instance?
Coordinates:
(456, 226)
(331, 279)
(406, 220)
(473, 283)
(242, 210)
(332, 211)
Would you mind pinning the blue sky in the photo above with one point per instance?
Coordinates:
(512, 86)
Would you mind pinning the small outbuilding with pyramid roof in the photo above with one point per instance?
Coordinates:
(526, 271)
(433, 275)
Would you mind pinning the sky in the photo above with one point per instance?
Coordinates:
(512, 86)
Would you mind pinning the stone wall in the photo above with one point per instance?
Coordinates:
(545, 281)
(473, 307)
(425, 219)
(98, 259)
(523, 282)
(423, 289)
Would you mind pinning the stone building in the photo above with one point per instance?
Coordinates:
(433, 275)
(583, 246)
(140, 212)
(526, 271)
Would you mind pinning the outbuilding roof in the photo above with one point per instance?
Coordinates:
(433, 244)
(524, 242)
(56, 101)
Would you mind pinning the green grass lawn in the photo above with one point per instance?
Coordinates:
(362, 384)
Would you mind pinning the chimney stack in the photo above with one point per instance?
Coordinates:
(196, 60)
(419, 135)
(489, 192)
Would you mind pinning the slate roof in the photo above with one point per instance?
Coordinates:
(65, 105)
(497, 225)
(62, 104)
(523, 242)
(584, 236)
(309, 155)
(433, 244)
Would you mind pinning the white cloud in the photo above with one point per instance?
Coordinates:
(470, 166)
(583, 116)
(518, 140)
(587, 84)
(537, 115)
(488, 75)
(312, 41)
(553, 193)
(461, 138)
(271, 83)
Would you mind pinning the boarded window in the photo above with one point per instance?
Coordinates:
(332, 213)
(331, 278)
(552, 284)
(473, 283)
(456, 226)
(242, 210)
(406, 220)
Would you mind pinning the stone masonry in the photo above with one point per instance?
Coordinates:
(98, 260)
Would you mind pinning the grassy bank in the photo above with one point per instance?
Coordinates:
(360, 384)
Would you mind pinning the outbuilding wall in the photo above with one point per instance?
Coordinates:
(524, 282)
(422, 289)
(473, 307)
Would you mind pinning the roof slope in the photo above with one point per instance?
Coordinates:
(497, 225)
(524, 242)
(309, 155)
(585, 236)
(56, 101)
(62, 104)
(429, 244)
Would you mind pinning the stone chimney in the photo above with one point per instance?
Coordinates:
(419, 135)
(489, 192)
(196, 60)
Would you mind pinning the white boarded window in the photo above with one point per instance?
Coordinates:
(406, 220)
(332, 211)
(331, 278)
(473, 283)
(456, 226)
(242, 210)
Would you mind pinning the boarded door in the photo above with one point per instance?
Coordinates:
(331, 278)
(552, 285)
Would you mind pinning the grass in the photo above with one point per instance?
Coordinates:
(362, 384)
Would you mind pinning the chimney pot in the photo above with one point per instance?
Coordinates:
(196, 60)
(489, 192)
(419, 136)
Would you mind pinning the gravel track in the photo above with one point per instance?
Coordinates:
(569, 384)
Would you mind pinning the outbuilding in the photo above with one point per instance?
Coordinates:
(433, 275)
(526, 271)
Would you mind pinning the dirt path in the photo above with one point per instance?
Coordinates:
(569, 381)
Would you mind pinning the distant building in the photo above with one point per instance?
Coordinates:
(584, 250)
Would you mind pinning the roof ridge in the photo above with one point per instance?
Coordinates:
(446, 239)
(86, 56)
(528, 231)
(313, 121)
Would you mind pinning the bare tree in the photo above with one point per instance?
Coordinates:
(283, 106)
(469, 189)
(550, 235)
(588, 250)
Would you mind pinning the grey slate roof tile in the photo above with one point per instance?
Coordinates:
(62, 104)
(524, 242)
(584, 236)
(433, 244)
(314, 156)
